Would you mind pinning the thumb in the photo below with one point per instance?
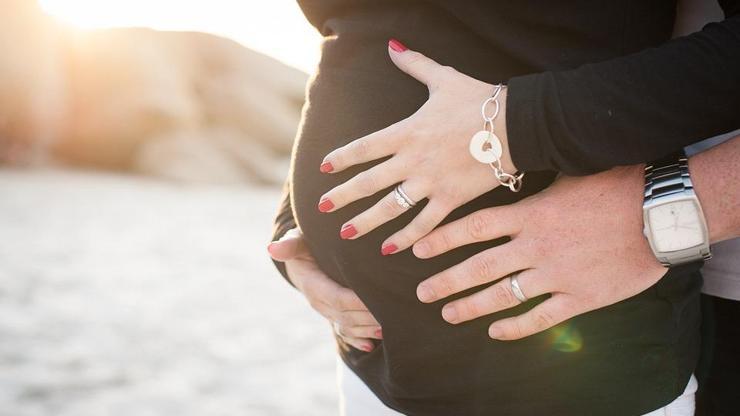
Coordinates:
(290, 246)
(414, 63)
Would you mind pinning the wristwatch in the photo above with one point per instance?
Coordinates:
(674, 221)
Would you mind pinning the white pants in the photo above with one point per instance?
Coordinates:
(356, 399)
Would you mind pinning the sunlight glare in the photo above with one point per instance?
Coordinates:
(277, 27)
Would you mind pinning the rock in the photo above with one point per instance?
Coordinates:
(127, 98)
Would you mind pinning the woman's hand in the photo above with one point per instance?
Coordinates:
(580, 240)
(429, 152)
(349, 316)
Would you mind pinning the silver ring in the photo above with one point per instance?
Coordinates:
(402, 198)
(516, 289)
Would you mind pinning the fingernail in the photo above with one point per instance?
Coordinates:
(495, 332)
(326, 205)
(326, 167)
(388, 249)
(367, 348)
(424, 294)
(397, 46)
(269, 247)
(348, 231)
(421, 249)
(449, 313)
(379, 333)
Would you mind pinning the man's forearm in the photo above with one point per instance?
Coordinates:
(716, 181)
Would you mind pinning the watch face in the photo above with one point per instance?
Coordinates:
(676, 226)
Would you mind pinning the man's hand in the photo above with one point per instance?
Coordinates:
(350, 317)
(580, 240)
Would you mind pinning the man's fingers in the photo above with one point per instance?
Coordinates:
(424, 69)
(484, 267)
(290, 246)
(483, 225)
(543, 316)
(495, 298)
(365, 149)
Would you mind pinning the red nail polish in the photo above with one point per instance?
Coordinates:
(348, 231)
(326, 167)
(388, 249)
(367, 348)
(397, 46)
(379, 333)
(326, 205)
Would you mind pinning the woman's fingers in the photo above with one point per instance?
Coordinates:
(483, 225)
(362, 185)
(484, 267)
(362, 344)
(430, 217)
(383, 211)
(346, 300)
(365, 149)
(495, 298)
(543, 316)
(419, 66)
(356, 318)
(366, 331)
(288, 247)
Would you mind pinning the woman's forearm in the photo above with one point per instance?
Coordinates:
(716, 181)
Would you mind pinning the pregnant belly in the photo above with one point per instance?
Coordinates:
(422, 359)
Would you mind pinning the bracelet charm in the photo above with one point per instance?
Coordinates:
(486, 147)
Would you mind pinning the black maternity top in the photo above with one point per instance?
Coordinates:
(626, 359)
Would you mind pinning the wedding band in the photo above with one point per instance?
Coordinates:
(402, 198)
(516, 289)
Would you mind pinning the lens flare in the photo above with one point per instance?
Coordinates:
(566, 338)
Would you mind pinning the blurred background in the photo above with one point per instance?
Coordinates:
(142, 145)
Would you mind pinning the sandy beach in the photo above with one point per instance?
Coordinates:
(122, 295)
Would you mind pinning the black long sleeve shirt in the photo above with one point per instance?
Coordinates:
(630, 109)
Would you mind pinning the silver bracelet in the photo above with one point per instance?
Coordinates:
(486, 147)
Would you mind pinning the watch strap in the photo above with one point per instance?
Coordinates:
(667, 176)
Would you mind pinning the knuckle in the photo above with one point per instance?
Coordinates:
(414, 58)
(501, 295)
(517, 329)
(446, 283)
(444, 241)
(470, 309)
(360, 148)
(366, 183)
(344, 300)
(477, 225)
(543, 320)
(342, 320)
(480, 268)
(389, 205)
(422, 225)
(349, 331)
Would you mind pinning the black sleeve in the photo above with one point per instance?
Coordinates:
(630, 109)
(284, 221)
